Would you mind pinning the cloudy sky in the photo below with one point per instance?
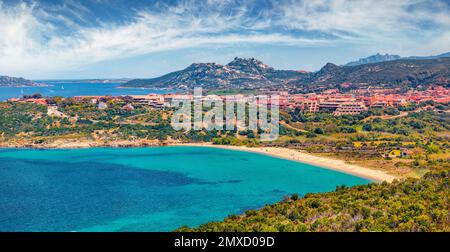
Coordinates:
(52, 39)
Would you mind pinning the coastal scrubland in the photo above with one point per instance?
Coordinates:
(411, 205)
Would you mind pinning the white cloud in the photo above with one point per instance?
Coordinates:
(397, 24)
(30, 42)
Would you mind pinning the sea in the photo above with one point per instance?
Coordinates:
(65, 88)
(146, 189)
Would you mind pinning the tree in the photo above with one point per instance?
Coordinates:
(367, 127)
(318, 131)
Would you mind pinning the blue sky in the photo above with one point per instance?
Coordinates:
(52, 39)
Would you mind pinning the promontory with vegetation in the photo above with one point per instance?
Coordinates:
(7, 81)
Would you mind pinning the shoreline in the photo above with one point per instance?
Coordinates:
(277, 152)
(306, 158)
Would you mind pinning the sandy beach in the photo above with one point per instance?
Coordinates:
(299, 156)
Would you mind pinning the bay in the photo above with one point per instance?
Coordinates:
(146, 189)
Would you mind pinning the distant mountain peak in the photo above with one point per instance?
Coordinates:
(329, 67)
(246, 61)
(374, 59)
(249, 65)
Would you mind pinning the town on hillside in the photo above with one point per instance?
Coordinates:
(331, 101)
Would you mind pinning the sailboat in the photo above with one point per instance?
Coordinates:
(62, 87)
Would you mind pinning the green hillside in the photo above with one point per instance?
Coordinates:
(409, 205)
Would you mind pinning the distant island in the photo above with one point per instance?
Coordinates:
(6, 81)
(93, 81)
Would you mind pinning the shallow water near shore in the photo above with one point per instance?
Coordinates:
(146, 189)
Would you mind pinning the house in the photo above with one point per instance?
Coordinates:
(148, 99)
(128, 107)
(350, 108)
(102, 106)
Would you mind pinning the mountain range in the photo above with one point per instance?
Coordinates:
(443, 55)
(251, 73)
(389, 57)
(374, 59)
(239, 73)
(242, 73)
(410, 72)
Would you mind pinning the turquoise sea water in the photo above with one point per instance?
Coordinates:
(145, 189)
(68, 89)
